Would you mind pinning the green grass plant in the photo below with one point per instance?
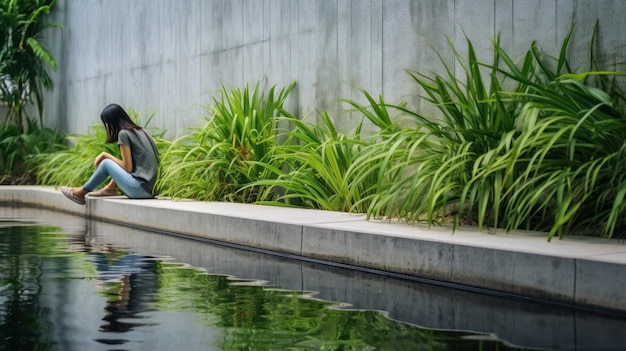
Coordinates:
(20, 149)
(563, 171)
(528, 144)
(422, 168)
(314, 163)
(219, 159)
(537, 147)
(560, 170)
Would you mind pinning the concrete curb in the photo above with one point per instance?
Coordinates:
(587, 272)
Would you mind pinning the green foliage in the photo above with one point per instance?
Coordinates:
(24, 61)
(20, 150)
(563, 170)
(546, 154)
(314, 173)
(425, 168)
(217, 161)
(74, 165)
(526, 144)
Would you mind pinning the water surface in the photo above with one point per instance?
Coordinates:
(67, 283)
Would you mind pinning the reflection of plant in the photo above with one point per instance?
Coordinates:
(218, 160)
(23, 60)
(27, 250)
(256, 317)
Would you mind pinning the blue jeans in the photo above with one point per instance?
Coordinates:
(124, 180)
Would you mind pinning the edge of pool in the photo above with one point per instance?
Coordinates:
(579, 271)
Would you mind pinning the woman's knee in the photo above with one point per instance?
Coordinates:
(107, 163)
(110, 167)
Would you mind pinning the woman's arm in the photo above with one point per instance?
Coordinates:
(126, 162)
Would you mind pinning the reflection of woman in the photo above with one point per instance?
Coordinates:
(135, 174)
(128, 282)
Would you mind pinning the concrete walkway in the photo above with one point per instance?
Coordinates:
(581, 271)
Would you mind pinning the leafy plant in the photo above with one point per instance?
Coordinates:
(314, 173)
(24, 60)
(541, 148)
(19, 151)
(217, 161)
(422, 169)
(563, 172)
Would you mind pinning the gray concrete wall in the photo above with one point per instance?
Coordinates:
(170, 57)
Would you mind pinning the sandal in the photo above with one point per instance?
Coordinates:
(69, 193)
(103, 192)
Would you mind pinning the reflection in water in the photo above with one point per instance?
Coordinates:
(112, 288)
(127, 281)
(19, 289)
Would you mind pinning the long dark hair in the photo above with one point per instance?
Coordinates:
(115, 119)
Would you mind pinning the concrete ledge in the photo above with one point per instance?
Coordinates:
(581, 271)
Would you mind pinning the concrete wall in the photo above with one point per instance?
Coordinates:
(171, 56)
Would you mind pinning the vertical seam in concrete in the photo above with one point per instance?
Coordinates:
(454, 36)
(512, 23)
(371, 81)
(301, 240)
(265, 28)
(337, 55)
(382, 48)
(243, 83)
(494, 34)
(556, 26)
(574, 297)
(267, 44)
(291, 34)
(181, 82)
(452, 254)
(301, 254)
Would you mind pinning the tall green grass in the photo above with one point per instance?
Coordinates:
(561, 169)
(314, 163)
(218, 160)
(422, 170)
(19, 150)
(517, 144)
(536, 147)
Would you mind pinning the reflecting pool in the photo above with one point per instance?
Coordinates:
(68, 283)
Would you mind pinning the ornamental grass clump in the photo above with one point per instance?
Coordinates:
(314, 163)
(423, 168)
(563, 171)
(538, 147)
(219, 159)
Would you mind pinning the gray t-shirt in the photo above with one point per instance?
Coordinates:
(144, 155)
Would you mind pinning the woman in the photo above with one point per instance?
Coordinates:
(135, 174)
